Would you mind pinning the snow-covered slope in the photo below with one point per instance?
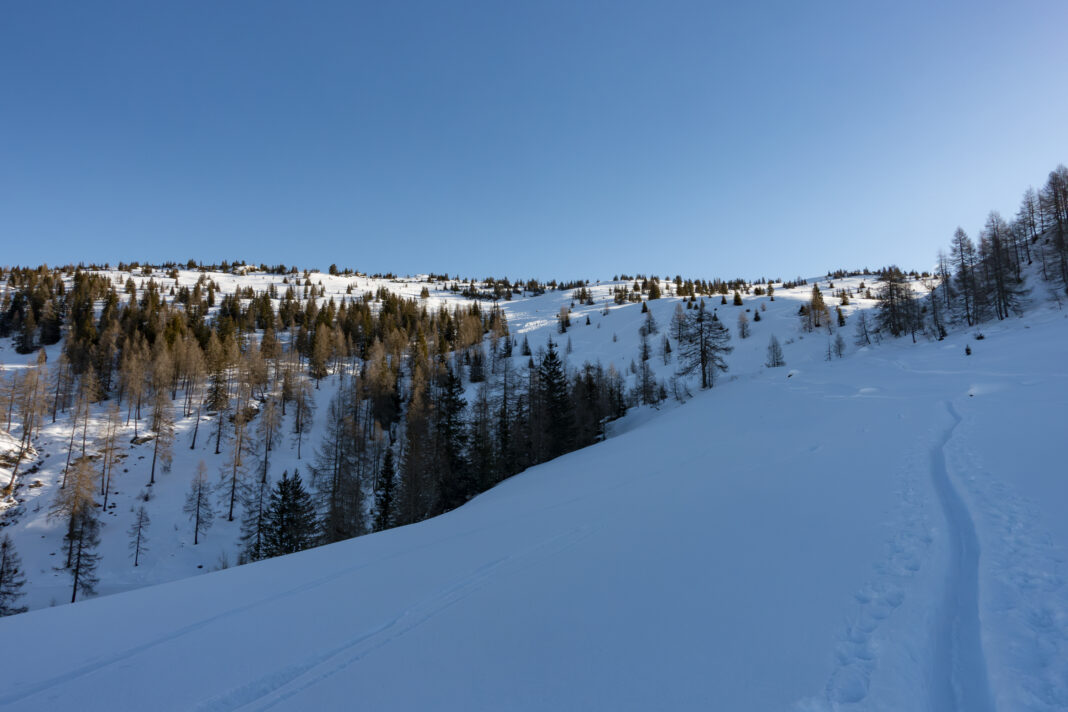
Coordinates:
(611, 338)
(881, 532)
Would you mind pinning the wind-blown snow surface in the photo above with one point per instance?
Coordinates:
(884, 532)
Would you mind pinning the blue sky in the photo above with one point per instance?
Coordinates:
(547, 139)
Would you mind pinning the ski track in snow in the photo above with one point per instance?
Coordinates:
(16, 696)
(958, 679)
(1026, 606)
(280, 685)
(957, 675)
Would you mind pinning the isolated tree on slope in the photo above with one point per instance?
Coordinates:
(775, 357)
(12, 578)
(163, 448)
(705, 347)
(198, 503)
(743, 326)
(138, 532)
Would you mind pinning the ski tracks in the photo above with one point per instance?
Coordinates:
(954, 672)
(958, 675)
(1025, 602)
(280, 685)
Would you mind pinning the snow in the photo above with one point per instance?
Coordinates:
(880, 532)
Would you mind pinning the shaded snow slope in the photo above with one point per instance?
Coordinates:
(611, 338)
(780, 542)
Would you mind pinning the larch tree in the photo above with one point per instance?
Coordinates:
(138, 532)
(775, 358)
(163, 446)
(198, 503)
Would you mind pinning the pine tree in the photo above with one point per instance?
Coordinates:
(291, 525)
(384, 505)
(198, 503)
(138, 534)
(27, 342)
(556, 398)
(896, 311)
(12, 579)
(454, 481)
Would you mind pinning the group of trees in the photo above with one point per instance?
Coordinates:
(400, 440)
(979, 281)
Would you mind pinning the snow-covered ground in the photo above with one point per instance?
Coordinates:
(880, 532)
(612, 339)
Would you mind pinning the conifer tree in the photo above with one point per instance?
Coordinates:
(267, 428)
(555, 396)
(863, 333)
(705, 347)
(163, 447)
(743, 326)
(775, 357)
(384, 505)
(303, 410)
(83, 538)
(256, 499)
(12, 578)
(291, 525)
(138, 532)
(198, 503)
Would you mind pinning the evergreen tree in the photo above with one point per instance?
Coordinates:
(557, 403)
(455, 484)
(12, 579)
(291, 525)
(27, 342)
(384, 506)
(897, 310)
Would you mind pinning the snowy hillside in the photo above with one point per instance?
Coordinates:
(872, 528)
(612, 337)
(879, 532)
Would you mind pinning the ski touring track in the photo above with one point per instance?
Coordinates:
(954, 674)
(958, 676)
(376, 637)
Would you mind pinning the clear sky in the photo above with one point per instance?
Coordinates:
(548, 138)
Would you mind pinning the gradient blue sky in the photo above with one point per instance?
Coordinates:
(548, 139)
